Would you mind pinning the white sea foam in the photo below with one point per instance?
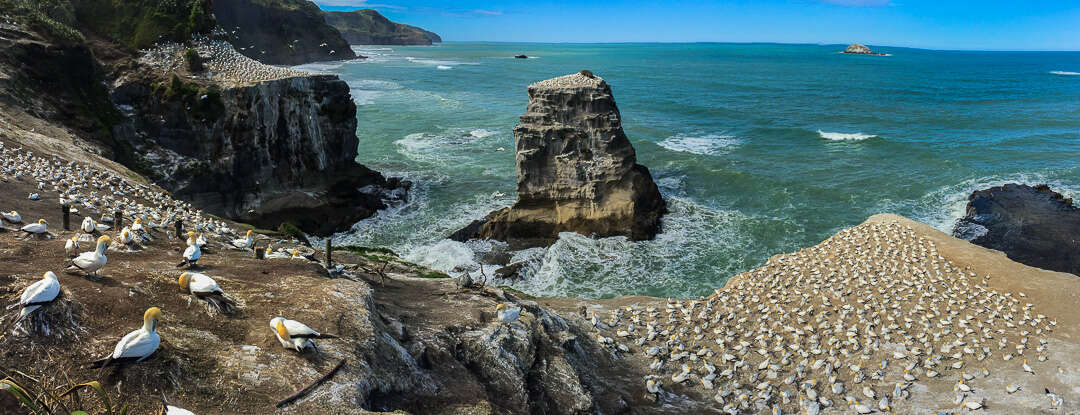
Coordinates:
(708, 144)
(844, 136)
(941, 208)
(437, 62)
(482, 133)
(1065, 73)
(318, 67)
(444, 67)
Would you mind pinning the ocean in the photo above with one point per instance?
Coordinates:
(760, 149)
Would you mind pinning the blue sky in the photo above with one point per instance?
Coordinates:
(934, 24)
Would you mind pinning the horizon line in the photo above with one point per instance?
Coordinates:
(750, 43)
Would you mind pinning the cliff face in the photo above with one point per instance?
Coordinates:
(264, 153)
(577, 171)
(368, 27)
(1032, 225)
(280, 32)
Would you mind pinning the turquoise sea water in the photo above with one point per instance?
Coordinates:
(760, 148)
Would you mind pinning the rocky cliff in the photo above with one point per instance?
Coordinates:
(369, 27)
(281, 32)
(280, 148)
(1032, 225)
(577, 171)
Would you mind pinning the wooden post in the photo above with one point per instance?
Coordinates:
(179, 229)
(67, 216)
(119, 219)
(329, 250)
(259, 253)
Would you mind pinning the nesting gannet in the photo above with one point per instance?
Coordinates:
(93, 261)
(88, 225)
(38, 294)
(172, 410)
(246, 242)
(126, 237)
(505, 314)
(13, 216)
(36, 228)
(296, 335)
(192, 253)
(71, 246)
(137, 345)
(204, 287)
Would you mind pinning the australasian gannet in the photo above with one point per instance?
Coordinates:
(296, 335)
(13, 216)
(137, 345)
(192, 253)
(93, 261)
(505, 314)
(204, 287)
(38, 294)
(35, 228)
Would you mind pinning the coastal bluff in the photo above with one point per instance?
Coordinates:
(1033, 225)
(577, 171)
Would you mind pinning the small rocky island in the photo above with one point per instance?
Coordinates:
(860, 49)
(577, 171)
(1032, 225)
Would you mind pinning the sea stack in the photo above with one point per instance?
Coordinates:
(1031, 225)
(577, 171)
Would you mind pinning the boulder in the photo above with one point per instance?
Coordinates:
(860, 49)
(1032, 225)
(577, 171)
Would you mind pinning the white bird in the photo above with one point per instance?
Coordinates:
(204, 287)
(1012, 388)
(35, 228)
(126, 237)
(38, 294)
(137, 345)
(246, 242)
(13, 216)
(34, 196)
(505, 314)
(192, 253)
(71, 246)
(296, 335)
(93, 261)
(1027, 368)
(172, 410)
(88, 225)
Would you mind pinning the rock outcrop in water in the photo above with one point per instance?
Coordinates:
(369, 27)
(860, 49)
(577, 171)
(1032, 225)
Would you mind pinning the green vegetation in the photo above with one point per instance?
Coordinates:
(362, 250)
(139, 24)
(289, 229)
(193, 60)
(268, 232)
(45, 402)
(53, 19)
(433, 275)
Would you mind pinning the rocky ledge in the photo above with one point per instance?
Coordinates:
(1032, 225)
(577, 171)
(860, 49)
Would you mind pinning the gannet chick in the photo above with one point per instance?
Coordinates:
(93, 261)
(39, 293)
(71, 246)
(505, 314)
(13, 216)
(204, 287)
(192, 253)
(36, 228)
(296, 335)
(137, 345)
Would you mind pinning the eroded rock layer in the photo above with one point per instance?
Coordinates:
(577, 171)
